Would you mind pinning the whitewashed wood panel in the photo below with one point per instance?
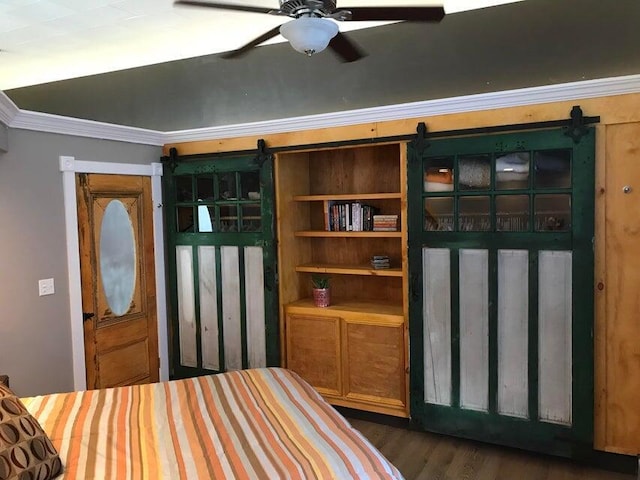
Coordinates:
(209, 335)
(513, 321)
(474, 329)
(436, 313)
(186, 306)
(231, 318)
(554, 336)
(254, 301)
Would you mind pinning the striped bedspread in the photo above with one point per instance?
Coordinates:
(254, 424)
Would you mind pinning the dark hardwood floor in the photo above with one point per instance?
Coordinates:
(426, 456)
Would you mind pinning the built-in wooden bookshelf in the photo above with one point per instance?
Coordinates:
(354, 351)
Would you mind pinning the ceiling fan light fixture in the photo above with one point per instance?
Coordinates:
(309, 35)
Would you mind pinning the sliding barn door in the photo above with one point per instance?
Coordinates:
(222, 264)
(501, 308)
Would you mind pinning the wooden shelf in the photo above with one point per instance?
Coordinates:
(349, 234)
(370, 308)
(349, 270)
(347, 196)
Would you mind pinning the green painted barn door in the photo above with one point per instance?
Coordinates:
(501, 306)
(222, 264)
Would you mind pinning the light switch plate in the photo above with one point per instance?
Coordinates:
(46, 287)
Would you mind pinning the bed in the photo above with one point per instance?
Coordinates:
(251, 424)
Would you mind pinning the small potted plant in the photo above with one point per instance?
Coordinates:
(321, 291)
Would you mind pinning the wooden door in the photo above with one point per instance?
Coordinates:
(221, 262)
(115, 227)
(501, 309)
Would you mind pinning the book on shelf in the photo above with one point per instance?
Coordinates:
(379, 262)
(385, 223)
(348, 216)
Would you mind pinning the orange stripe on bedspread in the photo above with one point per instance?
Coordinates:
(275, 457)
(316, 443)
(262, 424)
(201, 443)
(352, 447)
(174, 434)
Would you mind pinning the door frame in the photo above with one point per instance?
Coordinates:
(69, 167)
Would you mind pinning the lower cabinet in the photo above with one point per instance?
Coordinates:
(353, 359)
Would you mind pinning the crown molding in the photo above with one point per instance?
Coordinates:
(13, 117)
(45, 122)
(8, 109)
(468, 103)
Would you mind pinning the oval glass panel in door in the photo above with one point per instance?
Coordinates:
(117, 257)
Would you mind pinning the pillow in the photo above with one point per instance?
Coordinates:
(25, 450)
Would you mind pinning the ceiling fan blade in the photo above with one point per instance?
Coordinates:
(224, 6)
(346, 49)
(410, 14)
(253, 43)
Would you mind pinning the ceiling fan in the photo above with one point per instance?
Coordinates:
(312, 30)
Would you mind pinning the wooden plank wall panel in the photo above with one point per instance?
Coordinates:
(254, 300)
(622, 277)
(600, 324)
(231, 316)
(474, 329)
(554, 336)
(513, 332)
(186, 306)
(436, 265)
(291, 172)
(209, 331)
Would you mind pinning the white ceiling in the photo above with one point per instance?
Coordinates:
(47, 40)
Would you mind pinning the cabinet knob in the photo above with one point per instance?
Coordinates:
(626, 189)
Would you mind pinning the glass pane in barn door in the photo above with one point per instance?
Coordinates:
(222, 265)
(498, 227)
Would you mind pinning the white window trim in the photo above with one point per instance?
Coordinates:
(69, 167)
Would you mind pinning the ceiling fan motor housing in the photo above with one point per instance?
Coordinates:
(311, 8)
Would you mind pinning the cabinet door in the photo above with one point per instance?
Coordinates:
(374, 363)
(313, 351)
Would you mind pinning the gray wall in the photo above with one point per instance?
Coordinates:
(4, 138)
(531, 43)
(35, 333)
